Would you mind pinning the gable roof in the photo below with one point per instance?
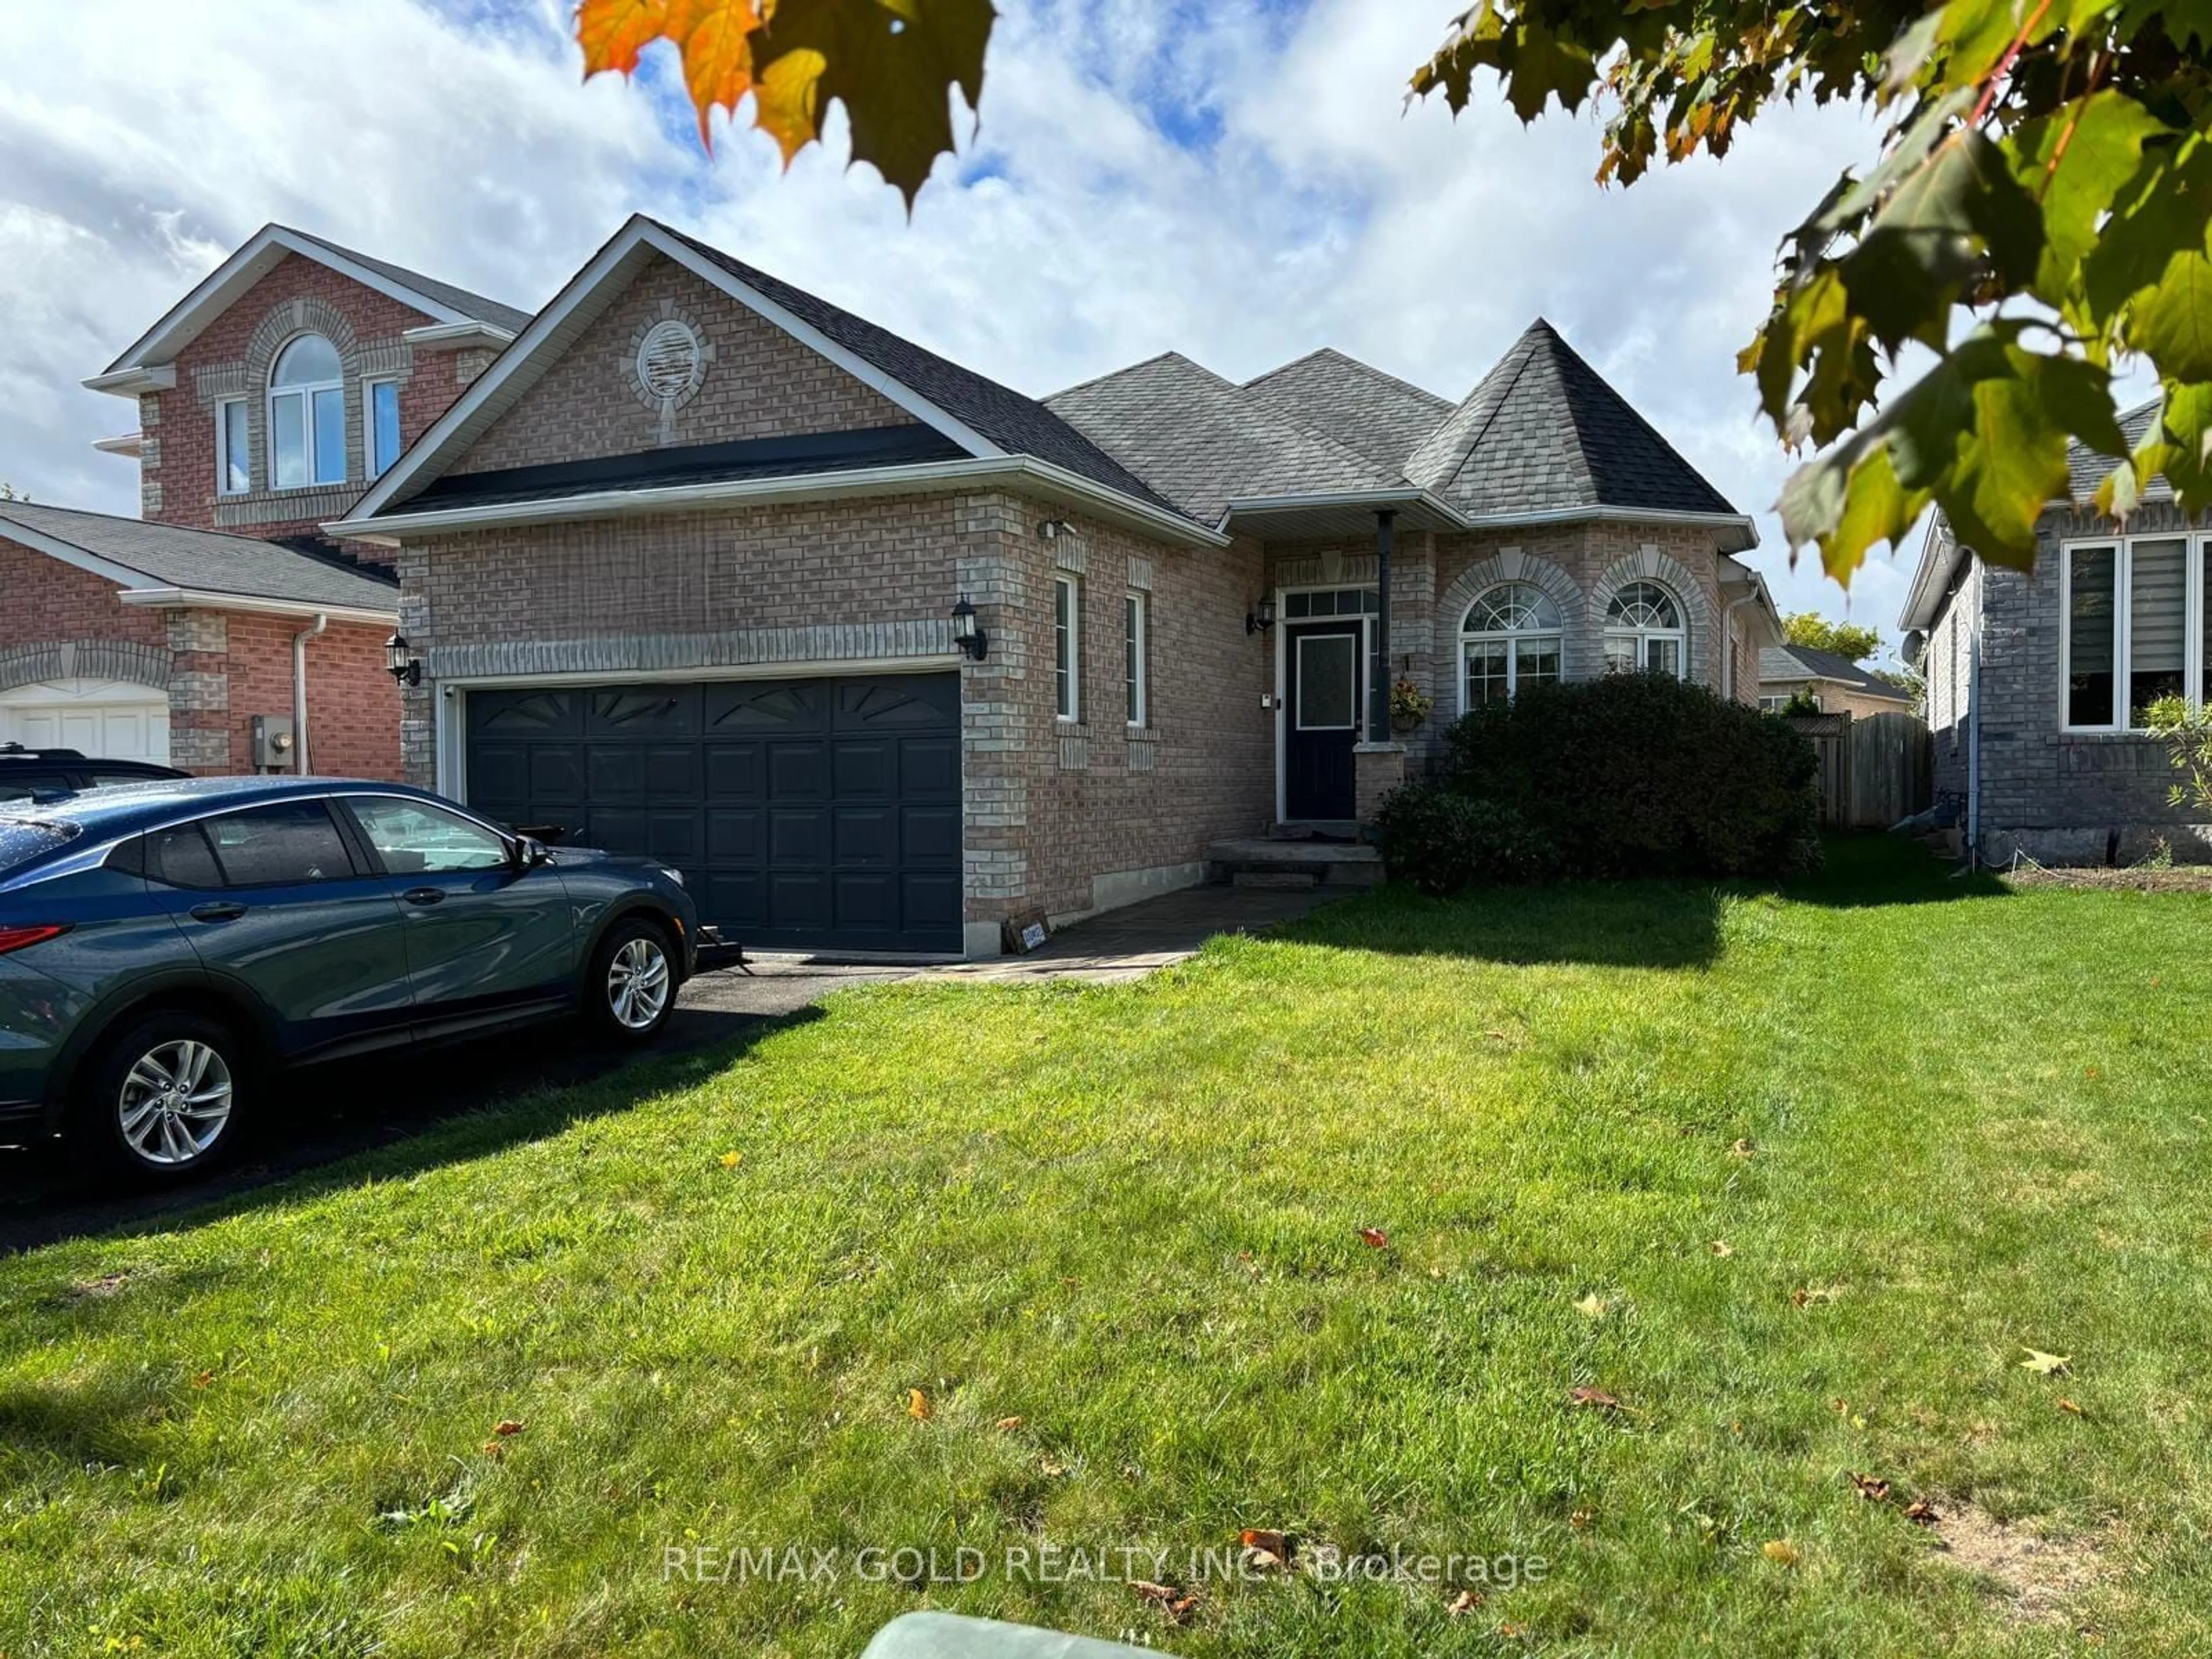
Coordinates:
(999, 432)
(183, 323)
(1544, 433)
(1380, 415)
(1782, 664)
(179, 564)
(1204, 442)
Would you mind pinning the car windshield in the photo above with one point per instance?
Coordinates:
(23, 839)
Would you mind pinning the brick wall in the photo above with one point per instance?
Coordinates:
(757, 382)
(48, 602)
(353, 708)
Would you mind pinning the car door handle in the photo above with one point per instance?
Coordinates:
(218, 910)
(424, 895)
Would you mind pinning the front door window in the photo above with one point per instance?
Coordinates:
(1328, 698)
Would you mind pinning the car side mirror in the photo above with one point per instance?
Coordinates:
(529, 854)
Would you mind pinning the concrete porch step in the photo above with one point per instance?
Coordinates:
(1294, 864)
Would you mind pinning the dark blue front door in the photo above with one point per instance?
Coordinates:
(1321, 722)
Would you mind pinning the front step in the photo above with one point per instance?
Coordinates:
(1294, 864)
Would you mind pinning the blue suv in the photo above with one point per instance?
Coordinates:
(166, 946)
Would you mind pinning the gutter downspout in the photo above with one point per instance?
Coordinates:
(300, 690)
(1974, 738)
(1728, 643)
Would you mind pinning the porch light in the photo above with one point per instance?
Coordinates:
(969, 637)
(1261, 619)
(404, 669)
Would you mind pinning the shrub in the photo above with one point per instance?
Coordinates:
(1642, 774)
(1441, 842)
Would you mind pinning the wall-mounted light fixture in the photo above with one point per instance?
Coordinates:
(1261, 619)
(404, 669)
(965, 634)
(1053, 529)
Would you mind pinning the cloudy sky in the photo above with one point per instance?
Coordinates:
(1234, 179)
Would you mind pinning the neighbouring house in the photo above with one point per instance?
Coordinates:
(1839, 686)
(2037, 680)
(884, 655)
(267, 401)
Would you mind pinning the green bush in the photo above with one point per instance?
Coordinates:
(1632, 774)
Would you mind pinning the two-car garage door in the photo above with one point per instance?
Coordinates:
(819, 814)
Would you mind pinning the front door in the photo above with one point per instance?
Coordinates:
(1322, 721)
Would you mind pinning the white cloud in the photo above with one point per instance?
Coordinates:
(1239, 180)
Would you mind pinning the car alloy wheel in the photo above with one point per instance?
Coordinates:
(638, 984)
(174, 1102)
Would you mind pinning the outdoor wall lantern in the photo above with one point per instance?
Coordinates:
(1261, 621)
(404, 669)
(969, 638)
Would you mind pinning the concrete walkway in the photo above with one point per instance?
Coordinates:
(1129, 942)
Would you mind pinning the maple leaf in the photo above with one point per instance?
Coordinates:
(1873, 1489)
(1780, 1551)
(2069, 1406)
(1464, 1603)
(893, 64)
(917, 1405)
(1008, 1425)
(1596, 1399)
(1722, 1247)
(731, 1160)
(2046, 1365)
(1922, 1513)
(1375, 1238)
(1592, 1306)
(1168, 1600)
(507, 1426)
(1265, 1546)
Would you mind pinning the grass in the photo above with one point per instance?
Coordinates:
(1974, 1121)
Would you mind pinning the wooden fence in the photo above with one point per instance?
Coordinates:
(1873, 770)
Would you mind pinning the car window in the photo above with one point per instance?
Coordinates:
(180, 857)
(289, 842)
(19, 785)
(415, 838)
(102, 779)
(23, 839)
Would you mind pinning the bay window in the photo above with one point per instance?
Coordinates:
(2133, 627)
(1512, 638)
(1644, 632)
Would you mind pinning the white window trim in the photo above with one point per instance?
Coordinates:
(305, 392)
(368, 388)
(2197, 554)
(1137, 613)
(1468, 636)
(1638, 638)
(222, 408)
(1072, 713)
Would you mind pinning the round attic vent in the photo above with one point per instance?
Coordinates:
(669, 360)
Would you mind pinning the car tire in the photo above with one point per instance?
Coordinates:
(160, 1104)
(629, 990)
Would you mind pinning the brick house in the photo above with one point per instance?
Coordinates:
(2037, 679)
(884, 655)
(201, 633)
(1839, 686)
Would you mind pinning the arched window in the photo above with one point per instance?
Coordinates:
(1644, 632)
(307, 416)
(1510, 640)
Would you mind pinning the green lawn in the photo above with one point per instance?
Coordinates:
(1935, 1126)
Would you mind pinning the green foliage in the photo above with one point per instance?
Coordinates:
(2187, 734)
(1644, 775)
(2050, 160)
(1442, 841)
(1852, 640)
(1802, 702)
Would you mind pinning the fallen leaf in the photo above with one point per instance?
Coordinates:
(1814, 1293)
(1512, 1631)
(2046, 1365)
(1722, 1247)
(1464, 1603)
(1050, 1470)
(731, 1160)
(203, 1379)
(1742, 1149)
(1008, 1425)
(1168, 1600)
(1593, 1305)
(495, 1449)
(1499, 1037)
(507, 1426)
(1597, 1399)
(1780, 1551)
(1870, 1488)
(1268, 1541)
(917, 1405)
(1922, 1513)
(2068, 1406)
(1582, 1519)
(1375, 1238)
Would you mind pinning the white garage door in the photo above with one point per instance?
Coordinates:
(105, 720)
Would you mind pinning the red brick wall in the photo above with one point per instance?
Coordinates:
(353, 708)
(49, 603)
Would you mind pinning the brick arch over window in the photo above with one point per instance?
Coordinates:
(88, 660)
(304, 315)
(1508, 564)
(1649, 564)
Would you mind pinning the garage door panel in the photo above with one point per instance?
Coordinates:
(820, 813)
(104, 719)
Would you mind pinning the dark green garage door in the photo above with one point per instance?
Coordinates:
(805, 814)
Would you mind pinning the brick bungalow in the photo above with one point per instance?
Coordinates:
(266, 400)
(884, 655)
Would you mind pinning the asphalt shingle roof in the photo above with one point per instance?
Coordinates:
(2086, 469)
(1017, 424)
(170, 555)
(510, 317)
(1782, 663)
(1544, 433)
(1380, 415)
(1202, 441)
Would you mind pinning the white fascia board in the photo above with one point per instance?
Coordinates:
(215, 291)
(70, 553)
(131, 382)
(454, 337)
(1370, 500)
(928, 476)
(130, 443)
(195, 598)
(1931, 578)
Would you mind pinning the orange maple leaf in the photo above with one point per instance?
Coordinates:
(713, 36)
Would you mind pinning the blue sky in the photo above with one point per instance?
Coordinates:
(1239, 180)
